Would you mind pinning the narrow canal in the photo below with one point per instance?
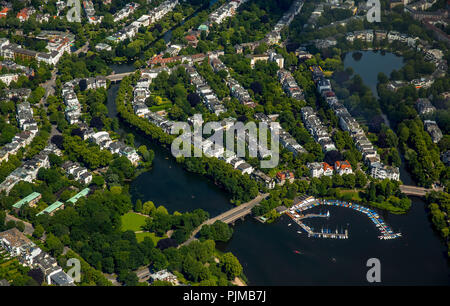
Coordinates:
(267, 251)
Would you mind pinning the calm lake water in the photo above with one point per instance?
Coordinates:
(368, 64)
(267, 251)
(371, 63)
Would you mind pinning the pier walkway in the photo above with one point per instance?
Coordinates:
(296, 213)
(321, 234)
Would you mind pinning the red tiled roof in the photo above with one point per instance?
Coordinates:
(190, 38)
(4, 12)
(282, 175)
(342, 164)
(326, 166)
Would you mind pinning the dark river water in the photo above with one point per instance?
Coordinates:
(267, 251)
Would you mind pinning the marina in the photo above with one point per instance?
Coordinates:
(324, 233)
(296, 213)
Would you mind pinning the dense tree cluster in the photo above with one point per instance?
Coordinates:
(421, 154)
(439, 205)
(160, 222)
(89, 154)
(73, 66)
(254, 20)
(387, 195)
(218, 231)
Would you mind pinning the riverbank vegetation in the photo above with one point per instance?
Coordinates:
(421, 154)
(218, 231)
(439, 205)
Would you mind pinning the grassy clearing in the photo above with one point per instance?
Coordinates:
(132, 221)
(140, 237)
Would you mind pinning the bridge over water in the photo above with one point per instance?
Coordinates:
(230, 216)
(417, 191)
(117, 77)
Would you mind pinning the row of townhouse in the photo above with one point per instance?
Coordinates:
(88, 83)
(240, 93)
(187, 59)
(13, 51)
(79, 173)
(25, 13)
(324, 169)
(20, 140)
(217, 150)
(129, 31)
(57, 39)
(73, 107)
(140, 94)
(88, 7)
(126, 11)
(325, 43)
(30, 255)
(104, 141)
(317, 129)
(58, 42)
(344, 22)
(289, 85)
(28, 170)
(349, 124)
(255, 147)
(153, 16)
(217, 65)
(164, 8)
(10, 65)
(274, 36)
(30, 200)
(269, 56)
(433, 129)
(208, 96)
(29, 130)
(25, 118)
(424, 106)
(8, 78)
(286, 140)
(315, 15)
(432, 55)
(236, 89)
(224, 11)
(370, 35)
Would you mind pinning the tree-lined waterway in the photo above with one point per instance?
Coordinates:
(267, 251)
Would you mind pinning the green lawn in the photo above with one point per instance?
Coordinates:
(140, 237)
(132, 221)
